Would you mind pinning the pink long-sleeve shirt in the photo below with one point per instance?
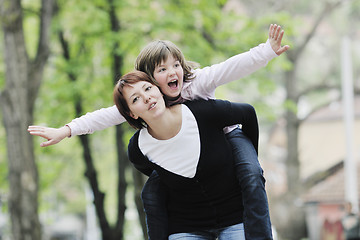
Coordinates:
(205, 81)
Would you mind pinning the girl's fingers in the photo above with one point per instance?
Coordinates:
(272, 30)
(45, 144)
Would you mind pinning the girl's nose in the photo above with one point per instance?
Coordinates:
(171, 71)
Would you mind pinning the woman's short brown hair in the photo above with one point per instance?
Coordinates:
(119, 100)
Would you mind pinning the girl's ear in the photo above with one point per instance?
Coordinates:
(133, 116)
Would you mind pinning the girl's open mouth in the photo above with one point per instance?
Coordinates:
(173, 84)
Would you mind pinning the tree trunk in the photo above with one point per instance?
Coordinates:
(122, 184)
(290, 215)
(17, 100)
(107, 231)
(292, 132)
(291, 222)
(23, 175)
(122, 158)
(138, 185)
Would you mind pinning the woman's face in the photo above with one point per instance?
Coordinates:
(170, 77)
(144, 100)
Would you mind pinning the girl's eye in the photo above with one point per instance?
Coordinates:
(162, 69)
(148, 88)
(177, 64)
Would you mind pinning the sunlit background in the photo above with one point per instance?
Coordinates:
(307, 101)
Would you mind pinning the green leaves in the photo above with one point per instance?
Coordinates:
(82, 62)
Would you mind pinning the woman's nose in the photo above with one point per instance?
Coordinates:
(146, 98)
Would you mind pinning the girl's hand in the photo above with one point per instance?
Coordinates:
(275, 38)
(52, 135)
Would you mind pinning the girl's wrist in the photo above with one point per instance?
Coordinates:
(66, 131)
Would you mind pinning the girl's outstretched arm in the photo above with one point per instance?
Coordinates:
(207, 79)
(52, 135)
(96, 121)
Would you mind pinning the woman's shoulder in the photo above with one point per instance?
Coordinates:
(134, 142)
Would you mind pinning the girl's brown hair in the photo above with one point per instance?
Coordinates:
(156, 52)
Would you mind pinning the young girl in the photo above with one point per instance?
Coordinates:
(164, 62)
(186, 146)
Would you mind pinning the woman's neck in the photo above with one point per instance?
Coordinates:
(168, 125)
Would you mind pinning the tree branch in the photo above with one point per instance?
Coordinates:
(37, 66)
(90, 171)
(294, 55)
(318, 87)
(323, 84)
(315, 109)
(47, 11)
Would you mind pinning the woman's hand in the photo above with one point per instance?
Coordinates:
(275, 38)
(52, 135)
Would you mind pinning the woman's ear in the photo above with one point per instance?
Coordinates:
(133, 116)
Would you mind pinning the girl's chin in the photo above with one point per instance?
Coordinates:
(172, 97)
(173, 94)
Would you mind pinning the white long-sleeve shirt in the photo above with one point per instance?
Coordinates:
(203, 85)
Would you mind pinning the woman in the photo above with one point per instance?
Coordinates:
(186, 145)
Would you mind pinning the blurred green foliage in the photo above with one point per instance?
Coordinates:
(205, 30)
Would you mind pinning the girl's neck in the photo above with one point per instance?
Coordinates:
(168, 125)
(175, 100)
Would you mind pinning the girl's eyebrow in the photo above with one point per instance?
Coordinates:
(160, 65)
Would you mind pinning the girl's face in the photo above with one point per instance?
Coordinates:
(170, 77)
(144, 100)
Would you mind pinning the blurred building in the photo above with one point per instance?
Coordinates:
(322, 150)
(324, 204)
